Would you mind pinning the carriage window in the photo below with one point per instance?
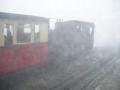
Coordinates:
(24, 33)
(8, 34)
(77, 27)
(81, 28)
(90, 30)
(37, 33)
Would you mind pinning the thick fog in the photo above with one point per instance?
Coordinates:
(73, 63)
(104, 13)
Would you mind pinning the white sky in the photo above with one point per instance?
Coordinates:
(104, 13)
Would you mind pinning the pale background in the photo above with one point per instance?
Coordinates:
(104, 13)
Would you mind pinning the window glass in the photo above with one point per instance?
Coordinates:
(8, 28)
(27, 28)
(77, 27)
(8, 34)
(37, 33)
(91, 29)
(24, 33)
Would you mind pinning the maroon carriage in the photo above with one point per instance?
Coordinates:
(23, 41)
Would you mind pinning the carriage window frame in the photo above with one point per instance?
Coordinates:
(8, 44)
(38, 27)
(1, 35)
(10, 29)
(17, 31)
(90, 30)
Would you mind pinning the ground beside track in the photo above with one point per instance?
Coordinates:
(95, 70)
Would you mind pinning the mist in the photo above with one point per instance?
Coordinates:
(104, 13)
(74, 56)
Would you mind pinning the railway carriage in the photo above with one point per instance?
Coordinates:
(23, 41)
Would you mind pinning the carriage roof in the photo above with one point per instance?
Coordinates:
(74, 23)
(11, 16)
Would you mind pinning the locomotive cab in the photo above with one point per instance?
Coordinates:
(78, 33)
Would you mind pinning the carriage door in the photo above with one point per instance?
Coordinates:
(8, 34)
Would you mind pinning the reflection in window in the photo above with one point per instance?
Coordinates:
(8, 34)
(37, 33)
(24, 33)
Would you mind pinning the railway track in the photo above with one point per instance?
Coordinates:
(86, 80)
(95, 79)
(93, 69)
(103, 74)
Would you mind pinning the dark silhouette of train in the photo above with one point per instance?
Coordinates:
(24, 39)
(72, 36)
